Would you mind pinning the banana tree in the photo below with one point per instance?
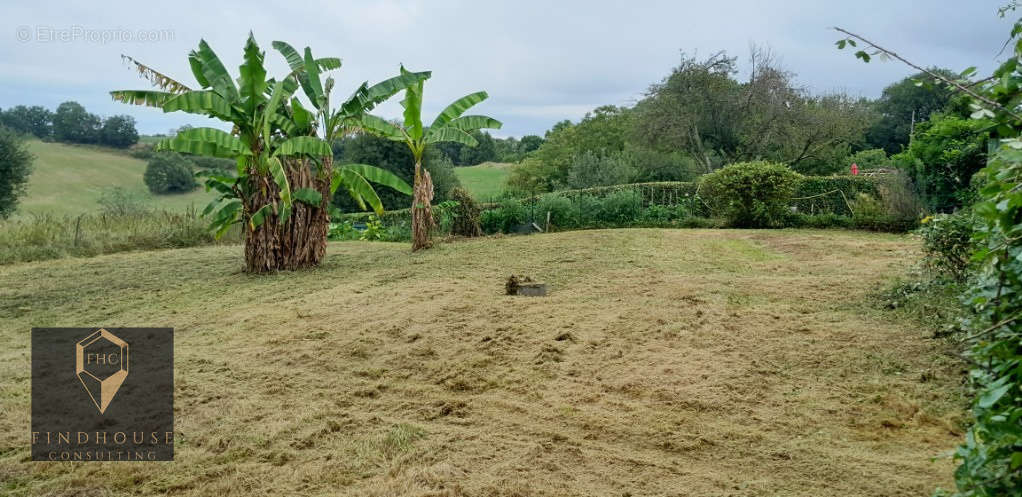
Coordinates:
(334, 123)
(283, 179)
(449, 126)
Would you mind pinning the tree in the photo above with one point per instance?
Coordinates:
(169, 172)
(942, 159)
(396, 157)
(449, 125)
(284, 176)
(903, 104)
(72, 124)
(119, 131)
(35, 120)
(702, 110)
(15, 168)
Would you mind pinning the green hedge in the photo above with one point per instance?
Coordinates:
(816, 196)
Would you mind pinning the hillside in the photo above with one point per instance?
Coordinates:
(69, 179)
(484, 181)
(663, 362)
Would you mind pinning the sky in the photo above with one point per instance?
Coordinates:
(540, 61)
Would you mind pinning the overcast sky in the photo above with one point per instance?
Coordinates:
(540, 61)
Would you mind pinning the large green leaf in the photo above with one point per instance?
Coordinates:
(359, 189)
(215, 73)
(472, 123)
(304, 145)
(294, 60)
(198, 147)
(458, 107)
(380, 176)
(225, 214)
(309, 196)
(449, 134)
(252, 82)
(303, 118)
(218, 137)
(413, 108)
(142, 97)
(315, 88)
(205, 102)
(259, 216)
(195, 62)
(281, 93)
(280, 178)
(381, 127)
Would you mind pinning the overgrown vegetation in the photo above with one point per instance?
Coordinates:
(125, 221)
(991, 456)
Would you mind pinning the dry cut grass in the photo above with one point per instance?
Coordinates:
(663, 362)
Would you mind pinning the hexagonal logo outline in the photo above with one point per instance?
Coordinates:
(108, 386)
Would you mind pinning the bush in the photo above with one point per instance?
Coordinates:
(947, 243)
(561, 213)
(945, 153)
(169, 172)
(868, 159)
(142, 151)
(619, 208)
(119, 201)
(505, 218)
(15, 168)
(466, 214)
(751, 194)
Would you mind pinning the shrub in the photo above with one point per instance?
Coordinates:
(868, 159)
(466, 214)
(507, 216)
(947, 243)
(169, 173)
(118, 201)
(15, 168)
(561, 213)
(619, 208)
(142, 151)
(751, 194)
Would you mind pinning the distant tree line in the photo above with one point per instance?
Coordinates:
(702, 116)
(490, 149)
(71, 123)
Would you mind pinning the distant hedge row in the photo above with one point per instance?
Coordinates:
(816, 195)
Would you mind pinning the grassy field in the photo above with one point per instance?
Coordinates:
(663, 362)
(69, 179)
(485, 180)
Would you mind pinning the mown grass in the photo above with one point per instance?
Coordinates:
(70, 179)
(485, 181)
(705, 362)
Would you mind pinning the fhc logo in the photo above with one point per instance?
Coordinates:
(101, 363)
(102, 394)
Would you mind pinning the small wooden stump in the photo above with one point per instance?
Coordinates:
(523, 285)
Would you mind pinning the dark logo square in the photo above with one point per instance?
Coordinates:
(102, 394)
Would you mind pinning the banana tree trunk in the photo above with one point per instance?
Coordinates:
(301, 241)
(422, 214)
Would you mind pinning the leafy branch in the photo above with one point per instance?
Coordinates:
(862, 54)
